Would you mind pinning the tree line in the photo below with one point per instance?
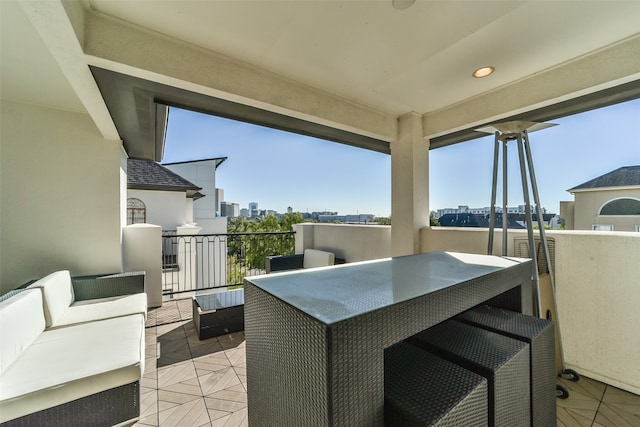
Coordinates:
(246, 251)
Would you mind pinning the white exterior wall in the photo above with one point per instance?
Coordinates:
(123, 190)
(60, 195)
(164, 208)
(351, 242)
(142, 251)
(202, 174)
(188, 213)
(598, 295)
(588, 205)
(213, 225)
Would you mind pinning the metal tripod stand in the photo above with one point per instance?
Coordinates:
(519, 131)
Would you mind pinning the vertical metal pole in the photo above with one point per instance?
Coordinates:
(492, 214)
(536, 199)
(532, 243)
(543, 237)
(505, 218)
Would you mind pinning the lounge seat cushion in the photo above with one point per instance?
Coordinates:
(61, 309)
(58, 295)
(80, 360)
(21, 323)
(316, 258)
(103, 308)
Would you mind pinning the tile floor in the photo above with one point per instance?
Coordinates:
(592, 403)
(188, 382)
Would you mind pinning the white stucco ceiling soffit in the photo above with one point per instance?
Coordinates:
(52, 23)
(117, 45)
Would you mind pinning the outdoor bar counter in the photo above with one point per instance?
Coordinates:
(315, 339)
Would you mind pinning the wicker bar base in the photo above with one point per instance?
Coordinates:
(315, 340)
(539, 333)
(107, 408)
(421, 389)
(502, 360)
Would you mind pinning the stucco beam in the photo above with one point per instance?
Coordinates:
(122, 47)
(606, 68)
(52, 23)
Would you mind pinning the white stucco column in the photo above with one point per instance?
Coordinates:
(409, 185)
(304, 236)
(142, 251)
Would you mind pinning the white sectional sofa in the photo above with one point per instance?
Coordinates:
(68, 361)
(61, 308)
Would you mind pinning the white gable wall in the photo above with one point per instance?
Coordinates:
(589, 203)
(202, 174)
(167, 209)
(60, 202)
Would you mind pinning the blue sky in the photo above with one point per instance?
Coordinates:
(279, 169)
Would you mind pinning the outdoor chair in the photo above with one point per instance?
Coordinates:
(309, 259)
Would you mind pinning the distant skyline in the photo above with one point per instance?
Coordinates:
(278, 169)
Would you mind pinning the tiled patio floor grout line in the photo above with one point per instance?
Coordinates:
(599, 404)
(194, 367)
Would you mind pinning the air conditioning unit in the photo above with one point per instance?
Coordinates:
(521, 250)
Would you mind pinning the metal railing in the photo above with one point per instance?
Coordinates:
(208, 261)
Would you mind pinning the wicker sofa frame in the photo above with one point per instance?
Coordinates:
(116, 406)
(109, 285)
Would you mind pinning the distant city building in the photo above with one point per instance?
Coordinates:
(348, 219)
(253, 210)
(520, 209)
(467, 219)
(229, 209)
(464, 216)
(315, 216)
(323, 216)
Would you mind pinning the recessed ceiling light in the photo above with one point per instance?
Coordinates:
(483, 72)
(402, 4)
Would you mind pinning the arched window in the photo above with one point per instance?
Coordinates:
(624, 206)
(136, 211)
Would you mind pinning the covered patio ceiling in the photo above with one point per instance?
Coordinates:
(340, 70)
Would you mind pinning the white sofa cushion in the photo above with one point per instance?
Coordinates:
(21, 322)
(58, 295)
(65, 364)
(316, 258)
(103, 308)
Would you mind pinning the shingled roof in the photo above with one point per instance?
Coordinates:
(627, 176)
(476, 220)
(149, 175)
